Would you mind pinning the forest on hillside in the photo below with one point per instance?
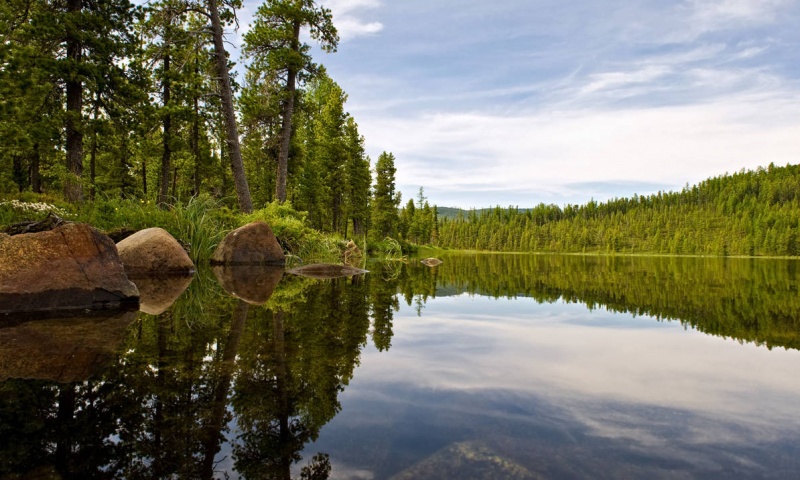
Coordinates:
(751, 213)
(104, 99)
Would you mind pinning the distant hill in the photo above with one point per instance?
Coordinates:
(750, 213)
(452, 212)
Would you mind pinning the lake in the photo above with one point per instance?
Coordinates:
(486, 366)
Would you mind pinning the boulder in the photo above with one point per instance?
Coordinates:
(431, 262)
(324, 271)
(152, 252)
(63, 350)
(252, 283)
(73, 266)
(252, 244)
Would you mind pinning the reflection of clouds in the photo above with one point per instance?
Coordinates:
(555, 352)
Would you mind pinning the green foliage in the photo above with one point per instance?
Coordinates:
(750, 213)
(295, 236)
(419, 224)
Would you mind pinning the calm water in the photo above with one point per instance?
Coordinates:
(489, 366)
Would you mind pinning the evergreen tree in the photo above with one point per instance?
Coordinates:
(274, 42)
(385, 200)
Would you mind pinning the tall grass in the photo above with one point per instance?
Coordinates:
(200, 224)
(387, 249)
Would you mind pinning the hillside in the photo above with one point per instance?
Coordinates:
(747, 213)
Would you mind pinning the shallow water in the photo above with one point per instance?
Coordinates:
(487, 366)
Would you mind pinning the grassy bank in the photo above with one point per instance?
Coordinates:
(199, 224)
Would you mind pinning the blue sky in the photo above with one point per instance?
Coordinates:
(515, 102)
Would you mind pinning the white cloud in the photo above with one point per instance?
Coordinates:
(348, 20)
(612, 80)
(549, 151)
(705, 16)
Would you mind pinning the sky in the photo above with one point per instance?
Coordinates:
(521, 102)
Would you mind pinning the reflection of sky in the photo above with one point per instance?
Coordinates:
(605, 388)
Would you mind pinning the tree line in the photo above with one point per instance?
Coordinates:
(750, 213)
(102, 98)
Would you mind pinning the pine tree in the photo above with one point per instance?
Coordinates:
(274, 41)
(385, 200)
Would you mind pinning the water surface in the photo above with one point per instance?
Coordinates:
(487, 366)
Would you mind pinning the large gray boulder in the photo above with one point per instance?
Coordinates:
(252, 244)
(153, 252)
(73, 266)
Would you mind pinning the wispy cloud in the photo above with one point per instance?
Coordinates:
(348, 17)
(552, 151)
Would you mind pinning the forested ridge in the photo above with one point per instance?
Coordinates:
(752, 213)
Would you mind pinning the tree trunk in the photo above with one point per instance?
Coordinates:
(196, 137)
(72, 186)
(228, 112)
(36, 183)
(125, 181)
(166, 157)
(286, 128)
(93, 151)
(18, 172)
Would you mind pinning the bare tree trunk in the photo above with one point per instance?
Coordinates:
(228, 112)
(72, 186)
(286, 128)
(166, 157)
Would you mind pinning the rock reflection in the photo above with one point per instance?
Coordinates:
(62, 350)
(252, 283)
(157, 294)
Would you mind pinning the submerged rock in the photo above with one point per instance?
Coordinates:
(63, 350)
(153, 251)
(252, 283)
(431, 262)
(252, 244)
(157, 294)
(467, 461)
(73, 266)
(325, 271)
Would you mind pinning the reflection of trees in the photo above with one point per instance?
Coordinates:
(295, 360)
(383, 300)
(165, 407)
(753, 300)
